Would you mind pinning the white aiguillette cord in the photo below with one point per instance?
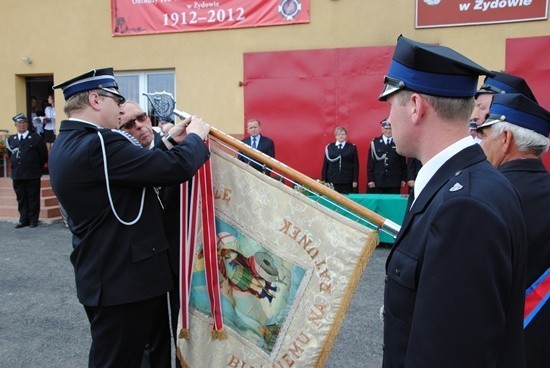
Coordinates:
(109, 187)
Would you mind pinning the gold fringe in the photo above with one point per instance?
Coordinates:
(184, 334)
(218, 335)
(180, 358)
(370, 244)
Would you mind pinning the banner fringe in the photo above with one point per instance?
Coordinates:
(219, 335)
(184, 334)
(370, 245)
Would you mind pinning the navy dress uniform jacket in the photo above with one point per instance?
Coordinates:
(389, 172)
(456, 274)
(29, 162)
(115, 263)
(344, 170)
(532, 180)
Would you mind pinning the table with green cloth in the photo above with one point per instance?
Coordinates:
(390, 206)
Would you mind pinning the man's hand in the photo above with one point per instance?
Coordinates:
(199, 127)
(190, 125)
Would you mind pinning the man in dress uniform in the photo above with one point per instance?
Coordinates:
(497, 84)
(386, 169)
(259, 142)
(28, 154)
(106, 185)
(455, 276)
(341, 163)
(514, 137)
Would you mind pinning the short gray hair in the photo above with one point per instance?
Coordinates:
(526, 140)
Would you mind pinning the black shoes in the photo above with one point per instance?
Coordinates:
(24, 224)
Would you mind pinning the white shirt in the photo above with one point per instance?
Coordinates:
(22, 136)
(341, 144)
(50, 114)
(429, 169)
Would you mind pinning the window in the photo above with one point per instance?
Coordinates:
(132, 85)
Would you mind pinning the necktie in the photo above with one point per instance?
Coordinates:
(339, 146)
(20, 137)
(254, 142)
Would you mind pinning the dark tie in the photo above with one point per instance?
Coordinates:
(20, 137)
(254, 142)
(339, 146)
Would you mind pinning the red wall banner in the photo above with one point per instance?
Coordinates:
(131, 17)
(301, 96)
(439, 13)
(529, 58)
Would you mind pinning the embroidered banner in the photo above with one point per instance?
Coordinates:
(130, 17)
(288, 268)
(438, 13)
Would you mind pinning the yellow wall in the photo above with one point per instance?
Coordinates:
(67, 38)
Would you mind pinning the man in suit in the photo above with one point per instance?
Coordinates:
(259, 142)
(137, 123)
(28, 154)
(455, 276)
(386, 169)
(341, 163)
(514, 137)
(106, 185)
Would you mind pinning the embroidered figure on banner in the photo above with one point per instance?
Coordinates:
(258, 287)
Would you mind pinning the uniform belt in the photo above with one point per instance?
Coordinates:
(535, 297)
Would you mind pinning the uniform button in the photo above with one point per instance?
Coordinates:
(154, 250)
(397, 271)
(458, 172)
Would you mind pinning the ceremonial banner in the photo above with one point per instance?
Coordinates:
(439, 13)
(130, 17)
(288, 268)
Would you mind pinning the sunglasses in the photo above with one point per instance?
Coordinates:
(132, 123)
(118, 99)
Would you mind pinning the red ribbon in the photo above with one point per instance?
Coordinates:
(189, 202)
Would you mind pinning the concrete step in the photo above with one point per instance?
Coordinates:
(44, 201)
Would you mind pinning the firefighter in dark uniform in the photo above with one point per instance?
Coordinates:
(106, 185)
(386, 169)
(28, 154)
(455, 277)
(514, 137)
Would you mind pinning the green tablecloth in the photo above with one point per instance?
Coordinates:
(391, 206)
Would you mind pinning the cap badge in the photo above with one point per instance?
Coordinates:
(456, 187)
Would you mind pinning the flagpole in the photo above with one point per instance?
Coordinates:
(383, 223)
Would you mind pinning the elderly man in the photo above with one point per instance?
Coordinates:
(28, 154)
(106, 185)
(455, 277)
(136, 122)
(514, 137)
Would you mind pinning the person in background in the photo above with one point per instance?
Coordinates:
(49, 122)
(455, 277)
(341, 163)
(413, 167)
(497, 84)
(136, 122)
(259, 142)
(386, 169)
(106, 184)
(514, 138)
(28, 154)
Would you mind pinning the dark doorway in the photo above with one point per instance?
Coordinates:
(37, 88)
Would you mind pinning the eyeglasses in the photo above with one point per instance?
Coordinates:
(118, 99)
(131, 123)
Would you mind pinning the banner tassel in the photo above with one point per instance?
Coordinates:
(219, 335)
(184, 334)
